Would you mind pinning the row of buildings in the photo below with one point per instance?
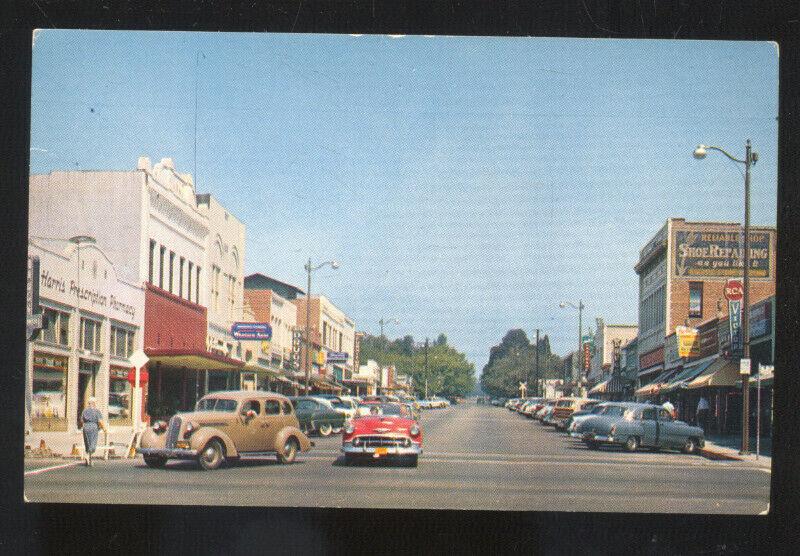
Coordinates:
(129, 261)
(683, 270)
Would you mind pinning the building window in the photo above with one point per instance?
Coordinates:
(171, 269)
(215, 287)
(121, 342)
(231, 281)
(180, 277)
(119, 397)
(151, 266)
(189, 282)
(57, 329)
(161, 254)
(197, 286)
(695, 300)
(49, 403)
(90, 334)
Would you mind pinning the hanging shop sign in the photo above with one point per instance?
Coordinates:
(735, 325)
(251, 331)
(337, 357)
(688, 341)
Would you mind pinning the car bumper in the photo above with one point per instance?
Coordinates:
(413, 450)
(169, 453)
(599, 438)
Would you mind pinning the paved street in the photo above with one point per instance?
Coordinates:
(475, 457)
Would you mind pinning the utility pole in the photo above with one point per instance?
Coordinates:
(746, 303)
(308, 330)
(426, 368)
(536, 371)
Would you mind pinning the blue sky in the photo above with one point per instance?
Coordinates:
(466, 184)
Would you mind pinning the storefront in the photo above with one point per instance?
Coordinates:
(92, 323)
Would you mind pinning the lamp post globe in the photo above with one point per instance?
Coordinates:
(700, 152)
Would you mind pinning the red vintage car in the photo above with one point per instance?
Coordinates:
(388, 431)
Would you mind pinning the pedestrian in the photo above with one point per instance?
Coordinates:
(91, 422)
(670, 408)
(702, 414)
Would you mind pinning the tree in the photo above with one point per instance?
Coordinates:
(514, 361)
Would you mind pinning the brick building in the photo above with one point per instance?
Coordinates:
(682, 273)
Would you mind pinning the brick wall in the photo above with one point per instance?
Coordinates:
(260, 302)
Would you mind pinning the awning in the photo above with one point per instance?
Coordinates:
(193, 359)
(654, 388)
(600, 388)
(721, 373)
(689, 373)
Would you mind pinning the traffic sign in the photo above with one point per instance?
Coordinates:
(251, 331)
(138, 359)
(734, 290)
(744, 366)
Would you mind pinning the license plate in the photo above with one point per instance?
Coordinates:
(182, 444)
(381, 451)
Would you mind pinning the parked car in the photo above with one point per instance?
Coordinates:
(436, 402)
(389, 431)
(567, 406)
(227, 426)
(317, 415)
(579, 417)
(641, 425)
(528, 408)
(342, 404)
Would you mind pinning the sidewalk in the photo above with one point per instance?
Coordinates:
(60, 444)
(728, 446)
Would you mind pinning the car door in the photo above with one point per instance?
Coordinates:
(649, 424)
(250, 428)
(272, 423)
(668, 433)
(304, 410)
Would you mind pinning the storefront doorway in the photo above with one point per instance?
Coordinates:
(87, 379)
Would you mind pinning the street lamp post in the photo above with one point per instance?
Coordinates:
(750, 158)
(384, 321)
(579, 356)
(310, 269)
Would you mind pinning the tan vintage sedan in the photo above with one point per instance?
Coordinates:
(227, 426)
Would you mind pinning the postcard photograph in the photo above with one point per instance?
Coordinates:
(412, 272)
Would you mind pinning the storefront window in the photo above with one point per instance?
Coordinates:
(119, 397)
(90, 334)
(217, 380)
(695, 300)
(49, 403)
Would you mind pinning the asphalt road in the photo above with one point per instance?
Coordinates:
(475, 457)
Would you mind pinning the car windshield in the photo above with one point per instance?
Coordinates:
(386, 409)
(613, 411)
(340, 404)
(564, 403)
(599, 409)
(216, 404)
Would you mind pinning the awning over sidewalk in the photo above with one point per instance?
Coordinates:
(689, 373)
(193, 359)
(600, 388)
(721, 373)
(654, 388)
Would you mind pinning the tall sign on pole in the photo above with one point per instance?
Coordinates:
(734, 292)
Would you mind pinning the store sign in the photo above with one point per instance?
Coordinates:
(251, 331)
(320, 357)
(337, 357)
(761, 319)
(720, 254)
(688, 341)
(735, 325)
(587, 356)
(734, 290)
(97, 299)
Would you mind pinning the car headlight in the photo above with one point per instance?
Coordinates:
(349, 428)
(190, 428)
(414, 430)
(160, 426)
(613, 430)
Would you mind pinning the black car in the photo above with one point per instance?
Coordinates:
(318, 415)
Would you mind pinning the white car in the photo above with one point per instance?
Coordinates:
(437, 402)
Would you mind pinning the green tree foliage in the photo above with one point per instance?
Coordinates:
(514, 361)
(448, 371)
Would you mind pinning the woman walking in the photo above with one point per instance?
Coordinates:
(91, 421)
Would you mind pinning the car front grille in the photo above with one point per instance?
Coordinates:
(382, 441)
(173, 429)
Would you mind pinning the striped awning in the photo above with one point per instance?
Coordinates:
(689, 373)
(655, 387)
(722, 373)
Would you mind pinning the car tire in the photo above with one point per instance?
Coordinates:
(413, 460)
(632, 444)
(690, 446)
(591, 444)
(155, 462)
(212, 456)
(336, 430)
(290, 449)
(325, 430)
(349, 459)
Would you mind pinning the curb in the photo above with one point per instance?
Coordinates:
(710, 454)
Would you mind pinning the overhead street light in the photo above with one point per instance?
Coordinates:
(384, 321)
(750, 158)
(309, 268)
